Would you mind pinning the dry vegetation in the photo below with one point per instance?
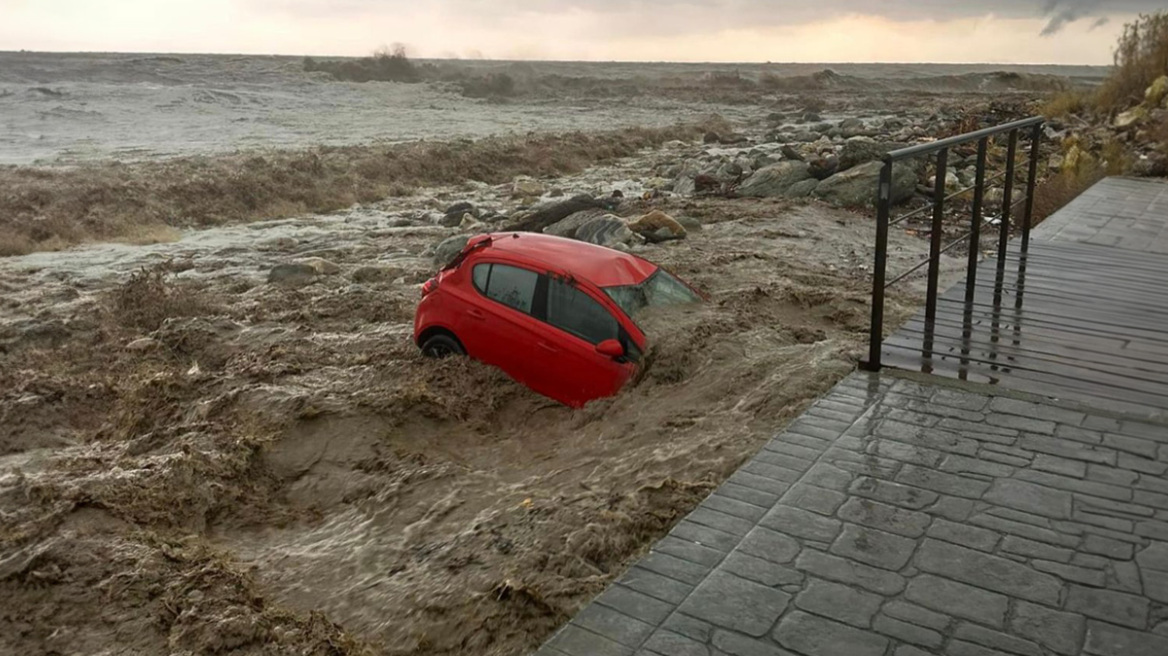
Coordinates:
(48, 209)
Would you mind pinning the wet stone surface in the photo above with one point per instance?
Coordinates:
(909, 520)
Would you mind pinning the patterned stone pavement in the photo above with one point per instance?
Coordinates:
(901, 519)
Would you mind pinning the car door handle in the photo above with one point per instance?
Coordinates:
(477, 314)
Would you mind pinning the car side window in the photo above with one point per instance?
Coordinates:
(572, 310)
(481, 274)
(509, 285)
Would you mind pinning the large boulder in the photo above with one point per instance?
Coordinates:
(449, 249)
(608, 231)
(567, 227)
(544, 216)
(657, 226)
(856, 187)
(860, 151)
(774, 180)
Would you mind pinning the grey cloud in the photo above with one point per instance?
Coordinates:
(681, 17)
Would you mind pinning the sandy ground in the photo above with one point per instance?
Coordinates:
(194, 460)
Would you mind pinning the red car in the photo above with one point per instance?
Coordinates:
(555, 314)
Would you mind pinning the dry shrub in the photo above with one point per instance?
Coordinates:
(1055, 191)
(1066, 103)
(148, 299)
(1141, 56)
(46, 209)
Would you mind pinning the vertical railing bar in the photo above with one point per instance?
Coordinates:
(1031, 184)
(883, 209)
(975, 233)
(1007, 197)
(936, 236)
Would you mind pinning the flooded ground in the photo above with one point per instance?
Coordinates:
(199, 456)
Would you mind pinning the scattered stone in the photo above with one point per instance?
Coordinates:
(321, 266)
(792, 153)
(1130, 117)
(453, 214)
(1157, 92)
(690, 223)
(527, 188)
(856, 187)
(860, 151)
(803, 189)
(368, 274)
(292, 274)
(774, 180)
(822, 168)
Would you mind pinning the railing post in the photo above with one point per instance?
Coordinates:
(935, 237)
(1031, 183)
(1007, 197)
(883, 210)
(975, 227)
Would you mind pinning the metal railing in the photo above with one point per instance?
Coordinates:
(936, 247)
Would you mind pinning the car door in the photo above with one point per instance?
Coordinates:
(577, 373)
(498, 327)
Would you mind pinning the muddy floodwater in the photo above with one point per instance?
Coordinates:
(198, 455)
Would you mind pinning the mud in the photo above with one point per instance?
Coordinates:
(196, 460)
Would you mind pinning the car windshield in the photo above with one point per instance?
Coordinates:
(659, 289)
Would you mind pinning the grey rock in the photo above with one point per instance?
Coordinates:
(293, 274)
(568, 226)
(822, 168)
(858, 152)
(449, 248)
(802, 189)
(856, 187)
(607, 231)
(774, 180)
(368, 274)
(690, 223)
(852, 127)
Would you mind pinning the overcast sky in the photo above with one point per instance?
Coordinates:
(997, 31)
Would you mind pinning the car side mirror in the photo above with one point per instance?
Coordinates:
(611, 348)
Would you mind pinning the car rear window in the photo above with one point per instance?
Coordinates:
(572, 310)
(506, 284)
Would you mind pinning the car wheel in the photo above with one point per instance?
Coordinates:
(440, 346)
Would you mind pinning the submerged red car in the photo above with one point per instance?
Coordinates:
(555, 314)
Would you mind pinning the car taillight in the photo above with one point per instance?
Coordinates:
(429, 286)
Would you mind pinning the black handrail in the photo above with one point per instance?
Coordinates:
(884, 220)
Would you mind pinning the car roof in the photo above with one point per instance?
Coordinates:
(603, 267)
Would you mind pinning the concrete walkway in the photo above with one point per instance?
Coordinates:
(905, 515)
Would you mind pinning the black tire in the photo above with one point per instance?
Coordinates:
(441, 346)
